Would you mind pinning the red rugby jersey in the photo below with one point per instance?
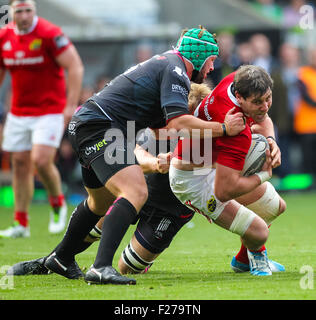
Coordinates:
(38, 82)
(228, 151)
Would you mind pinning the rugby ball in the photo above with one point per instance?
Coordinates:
(256, 155)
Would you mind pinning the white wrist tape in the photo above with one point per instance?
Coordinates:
(263, 176)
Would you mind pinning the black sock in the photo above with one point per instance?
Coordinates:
(115, 225)
(81, 222)
(80, 247)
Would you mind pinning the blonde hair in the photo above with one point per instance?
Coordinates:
(197, 93)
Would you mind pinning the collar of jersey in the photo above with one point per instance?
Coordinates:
(33, 26)
(176, 52)
(231, 96)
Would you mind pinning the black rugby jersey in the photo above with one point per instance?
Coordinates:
(150, 93)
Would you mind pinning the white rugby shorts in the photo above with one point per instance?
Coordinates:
(21, 133)
(195, 189)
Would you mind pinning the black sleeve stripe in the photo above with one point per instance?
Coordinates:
(172, 112)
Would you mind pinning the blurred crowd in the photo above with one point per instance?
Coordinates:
(292, 66)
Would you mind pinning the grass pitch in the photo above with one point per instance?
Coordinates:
(195, 267)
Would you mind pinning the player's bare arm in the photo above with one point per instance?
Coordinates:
(150, 163)
(233, 124)
(230, 184)
(71, 62)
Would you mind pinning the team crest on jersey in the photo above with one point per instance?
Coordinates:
(178, 71)
(35, 44)
(211, 204)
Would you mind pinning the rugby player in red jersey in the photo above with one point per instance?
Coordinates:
(163, 215)
(209, 187)
(36, 53)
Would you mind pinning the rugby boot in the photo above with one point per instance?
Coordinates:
(240, 267)
(15, 231)
(69, 270)
(106, 275)
(24, 268)
(259, 264)
(57, 221)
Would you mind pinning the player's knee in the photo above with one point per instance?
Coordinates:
(282, 206)
(41, 163)
(137, 196)
(261, 233)
(257, 234)
(269, 206)
(97, 205)
(242, 221)
(142, 193)
(20, 161)
(250, 227)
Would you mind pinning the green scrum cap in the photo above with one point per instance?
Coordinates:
(197, 45)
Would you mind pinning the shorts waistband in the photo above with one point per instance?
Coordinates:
(190, 173)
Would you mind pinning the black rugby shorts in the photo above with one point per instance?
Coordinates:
(101, 147)
(156, 228)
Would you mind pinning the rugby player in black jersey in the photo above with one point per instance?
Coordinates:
(160, 219)
(152, 94)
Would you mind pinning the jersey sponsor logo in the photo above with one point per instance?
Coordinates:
(178, 71)
(95, 148)
(176, 88)
(35, 44)
(211, 204)
(207, 115)
(23, 61)
(7, 46)
(61, 41)
(208, 101)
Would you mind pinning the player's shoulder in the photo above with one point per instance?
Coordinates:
(223, 95)
(6, 30)
(222, 89)
(174, 68)
(174, 62)
(47, 29)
